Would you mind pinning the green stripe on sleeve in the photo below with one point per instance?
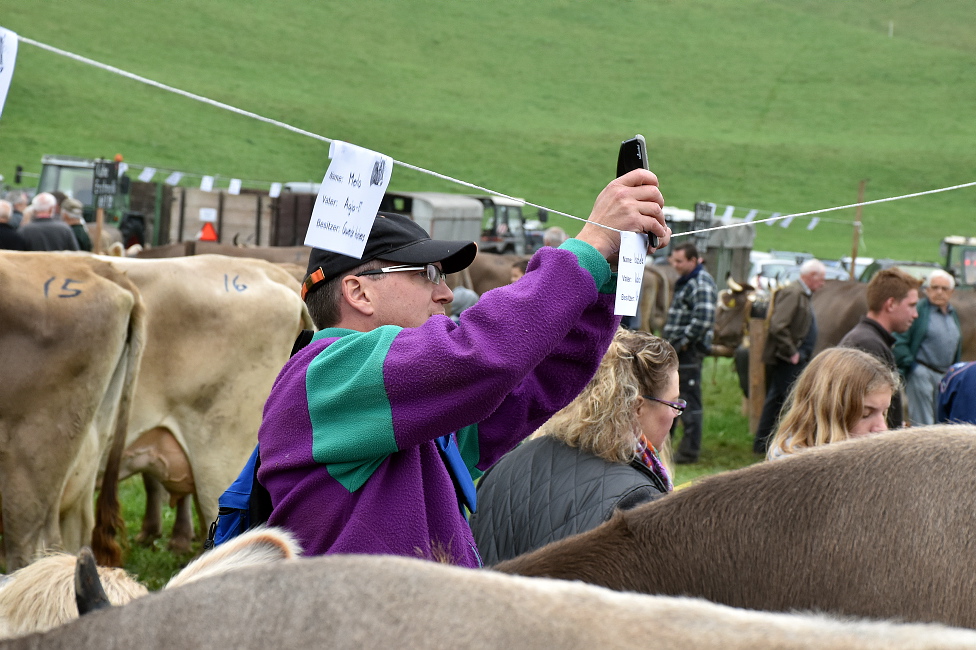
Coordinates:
(592, 261)
(352, 422)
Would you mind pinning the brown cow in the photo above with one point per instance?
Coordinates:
(71, 339)
(364, 602)
(219, 330)
(840, 304)
(879, 527)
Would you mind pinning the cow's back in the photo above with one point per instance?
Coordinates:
(878, 527)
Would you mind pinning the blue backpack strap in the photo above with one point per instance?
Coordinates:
(234, 506)
(463, 484)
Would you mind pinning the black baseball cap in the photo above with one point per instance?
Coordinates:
(396, 238)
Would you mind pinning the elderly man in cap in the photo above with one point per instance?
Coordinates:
(45, 232)
(374, 432)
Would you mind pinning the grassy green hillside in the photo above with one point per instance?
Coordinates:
(780, 105)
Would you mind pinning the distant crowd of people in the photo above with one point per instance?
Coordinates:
(48, 222)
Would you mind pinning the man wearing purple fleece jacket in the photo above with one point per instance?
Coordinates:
(374, 431)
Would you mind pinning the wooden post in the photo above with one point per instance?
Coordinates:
(857, 226)
(757, 371)
(99, 222)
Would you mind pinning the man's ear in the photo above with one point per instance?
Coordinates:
(355, 295)
(889, 304)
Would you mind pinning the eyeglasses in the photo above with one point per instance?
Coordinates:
(678, 406)
(936, 287)
(434, 274)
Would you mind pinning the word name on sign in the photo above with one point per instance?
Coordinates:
(355, 181)
(637, 260)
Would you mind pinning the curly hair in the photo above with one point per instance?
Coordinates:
(603, 418)
(827, 399)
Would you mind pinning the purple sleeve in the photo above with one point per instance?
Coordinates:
(520, 354)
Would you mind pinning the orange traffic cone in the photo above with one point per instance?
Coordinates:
(209, 233)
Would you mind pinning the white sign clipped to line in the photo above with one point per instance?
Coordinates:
(348, 199)
(8, 56)
(630, 272)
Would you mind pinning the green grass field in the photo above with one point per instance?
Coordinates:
(778, 105)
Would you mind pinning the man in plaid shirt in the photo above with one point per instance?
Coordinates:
(691, 321)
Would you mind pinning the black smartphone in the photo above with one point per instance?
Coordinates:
(633, 155)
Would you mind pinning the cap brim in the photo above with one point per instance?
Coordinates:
(454, 256)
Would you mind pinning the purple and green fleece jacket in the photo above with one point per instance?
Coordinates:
(348, 449)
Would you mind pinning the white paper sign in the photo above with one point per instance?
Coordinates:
(630, 272)
(123, 168)
(208, 214)
(147, 174)
(348, 199)
(206, 183)
(813, 223)
(8, 56)
(174, 178)
(235, 186)
(275, 190)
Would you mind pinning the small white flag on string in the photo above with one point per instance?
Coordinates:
(206, 183)
(275, 190)
(771, 218)
(208, 214)
(813, 223)
(8, 56)
(174, 178)
(785, 223)
(729, 209)
(123, 168)
(750, 216)
(147, 174)
(235, 186)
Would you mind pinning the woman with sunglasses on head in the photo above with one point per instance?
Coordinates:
(609, 449)
(844, 393)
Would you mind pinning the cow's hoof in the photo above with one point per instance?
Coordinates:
(146, 539)
(179, 545)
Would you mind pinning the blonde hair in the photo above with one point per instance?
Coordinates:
(603, 418)
(827, 399)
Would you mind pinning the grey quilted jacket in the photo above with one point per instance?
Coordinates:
(545, 490)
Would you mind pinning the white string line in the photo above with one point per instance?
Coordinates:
(294, 129)
(841, 207)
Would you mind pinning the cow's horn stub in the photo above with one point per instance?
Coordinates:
(733, 285)
(89, 594)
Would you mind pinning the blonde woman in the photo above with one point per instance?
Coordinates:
(843, 393)
(608, 449)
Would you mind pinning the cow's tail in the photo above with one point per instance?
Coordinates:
(108, 515)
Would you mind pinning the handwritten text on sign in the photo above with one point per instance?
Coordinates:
(630, 272)
(348, 199)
